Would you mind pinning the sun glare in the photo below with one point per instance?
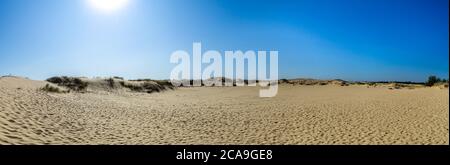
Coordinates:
(108, 5)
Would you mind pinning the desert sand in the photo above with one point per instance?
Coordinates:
(316, 114)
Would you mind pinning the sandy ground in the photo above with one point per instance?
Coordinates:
(224, 115)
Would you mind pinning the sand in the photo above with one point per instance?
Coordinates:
(328, 114)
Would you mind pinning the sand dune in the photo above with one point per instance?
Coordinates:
(328, 114)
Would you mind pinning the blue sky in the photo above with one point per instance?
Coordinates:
(373, 40)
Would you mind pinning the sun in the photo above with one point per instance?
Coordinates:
(108, 5)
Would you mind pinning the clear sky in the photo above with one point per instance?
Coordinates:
(402, 40)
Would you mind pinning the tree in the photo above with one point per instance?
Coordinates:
(432, 80)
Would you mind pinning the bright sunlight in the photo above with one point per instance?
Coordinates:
(108, 5)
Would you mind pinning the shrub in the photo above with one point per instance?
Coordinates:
(283, 81)
(432, 80)
(141, 80)
(76, 84)
(132, 86)
(72, 83)
(345, 84)
(150, 87)
(49, 88)
(165, 83)
(110, 82)
(56, 80)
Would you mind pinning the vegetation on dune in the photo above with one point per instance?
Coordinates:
(110, 82)
(52, 89)
(147, 85)
(166, 83)
(433, 80)
(150, 86)
(141, 85)
(72, 83)
(283, 81)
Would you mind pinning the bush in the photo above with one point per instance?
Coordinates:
(344, 84)
(49, 88)
(399, 86)
(147, 82)
(56, 80)
(110, 82)
(432, 80)
(72, 83)
(142, 80)
(164, 83)
(283, 81)
(132, 87)
(122, 83)
(147, 86)
(150, 87)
